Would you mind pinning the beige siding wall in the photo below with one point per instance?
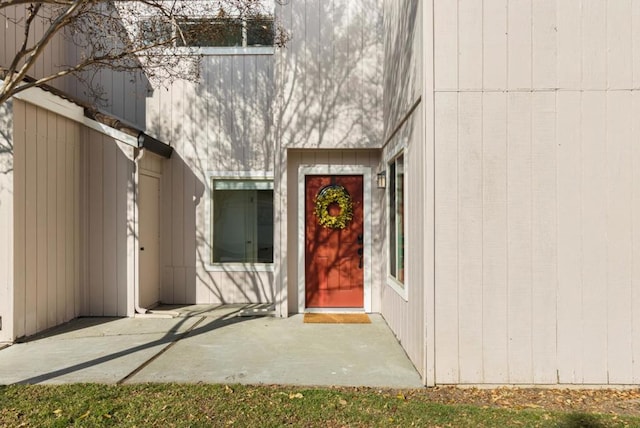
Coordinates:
(46, 211)
(404, 112)
(329, 75)
(222, 125)
(6, 220)
(329, 100)
(536, 185)
(108, 232)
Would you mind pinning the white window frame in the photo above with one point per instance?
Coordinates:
(402, 288)
(232, 266)
(222, 50)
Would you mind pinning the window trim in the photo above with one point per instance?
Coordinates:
(231, 266)
(402, 288)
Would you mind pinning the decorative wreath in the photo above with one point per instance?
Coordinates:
(333, 194)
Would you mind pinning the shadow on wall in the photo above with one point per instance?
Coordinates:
(6, 138)
(331, 76)
(328, 94)
(399, 59)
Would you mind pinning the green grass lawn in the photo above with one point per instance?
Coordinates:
(261, 406)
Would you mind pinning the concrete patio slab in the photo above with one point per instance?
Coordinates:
(212, 345)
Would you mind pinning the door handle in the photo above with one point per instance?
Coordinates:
(360, 239)
(360, 252)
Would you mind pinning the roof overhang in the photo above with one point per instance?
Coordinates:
(57, 102)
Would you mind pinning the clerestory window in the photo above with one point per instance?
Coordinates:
(210, 32)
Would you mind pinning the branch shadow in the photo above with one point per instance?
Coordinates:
(307, 97)
(170, 337)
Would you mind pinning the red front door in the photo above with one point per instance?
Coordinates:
(334, 267)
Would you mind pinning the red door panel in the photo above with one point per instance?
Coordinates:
(334, 269)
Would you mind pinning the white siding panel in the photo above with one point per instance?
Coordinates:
(445, 44)
(469, 44)
(43, 297)
(31, 209)
(569, 44)
(594, 44)
(570, 257)
(42, 164)
(544, 42)
(619, 44)
(619, 143)
(543, 237)
(109, 228)
(519, 54)
(494, 50)
(635, 237)
(594, 215)
(61, 241)
(20, 220)
(446, 238)
(635, 37)
(494, 250)
(95, 237)
(470, 235)
(9, 204)
(50, 209)
(519, 231)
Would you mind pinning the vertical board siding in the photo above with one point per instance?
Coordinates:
(519, 235)
(494, 240)
(45, 288)
(223, 124)
(446, 238)
(404, 133)
(635, 238)
(554, 172)
(109, 219)
(20, 221)
(470, 232)
(543, 236)
(8, 116)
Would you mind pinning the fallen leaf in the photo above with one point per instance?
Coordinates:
(296, 395)
(84, 415)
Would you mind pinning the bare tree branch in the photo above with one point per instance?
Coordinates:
(130, 36)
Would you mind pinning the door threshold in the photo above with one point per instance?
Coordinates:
(334, 310)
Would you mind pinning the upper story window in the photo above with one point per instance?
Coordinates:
(225, 32)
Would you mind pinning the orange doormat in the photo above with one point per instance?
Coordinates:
(336, 318)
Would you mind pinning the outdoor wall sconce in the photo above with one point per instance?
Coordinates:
(381, 179)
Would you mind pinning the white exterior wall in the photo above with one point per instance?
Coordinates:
(6, 220)
(329, 112)
(405, 107)
(222, 125)
(46, 210)
(536, 163)
(107, 225)
(70, 225)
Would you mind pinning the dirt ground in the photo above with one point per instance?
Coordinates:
(611, 401)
